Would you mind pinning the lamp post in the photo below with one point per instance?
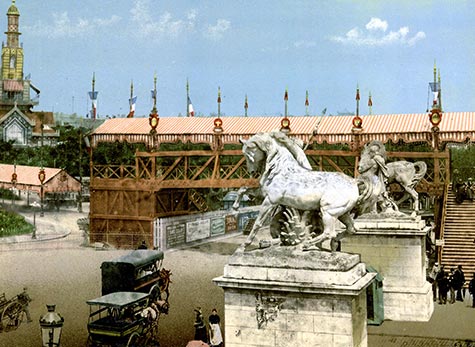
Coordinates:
(41, 177)
(14, 181)
(80, 169)
(51, 324)
(35, 205)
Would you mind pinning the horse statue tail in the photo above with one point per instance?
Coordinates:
(421, 169)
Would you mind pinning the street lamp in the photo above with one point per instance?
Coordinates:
(41, 177)
(35, 205)
(51, 324)
(14, 181)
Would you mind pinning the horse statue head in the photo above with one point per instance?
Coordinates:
(254, 154)
(264, 146)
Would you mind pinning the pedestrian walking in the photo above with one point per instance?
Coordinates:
(471, 289)
(459, 279)
(432, 278)
(442, 286)
(452, 285)
(215, 336)
(200, 326)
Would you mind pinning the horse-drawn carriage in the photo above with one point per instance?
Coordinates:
(125, 319)
(134, 295)
(12, 311)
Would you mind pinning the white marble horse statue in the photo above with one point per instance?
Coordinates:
(288, 179)
(407, 174)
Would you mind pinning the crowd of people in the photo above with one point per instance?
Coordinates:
(207, 335)
(449, 286)
(464, 190)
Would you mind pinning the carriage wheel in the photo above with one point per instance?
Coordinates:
(154, 293)
(134, 340)
(90, 342)
(12, 316)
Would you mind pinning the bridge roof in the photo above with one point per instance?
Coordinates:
(455, 127)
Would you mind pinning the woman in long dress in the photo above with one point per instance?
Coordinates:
(215, 336)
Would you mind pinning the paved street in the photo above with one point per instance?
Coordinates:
(64, 273)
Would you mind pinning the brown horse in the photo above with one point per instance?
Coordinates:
(164, 282)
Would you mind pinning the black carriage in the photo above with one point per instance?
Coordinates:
(138, 271)
(122, 319)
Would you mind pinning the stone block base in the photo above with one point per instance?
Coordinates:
(395, 248)
(280, 298)
(408, 304)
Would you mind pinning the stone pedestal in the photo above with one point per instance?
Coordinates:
(395, 247)
(280, 297)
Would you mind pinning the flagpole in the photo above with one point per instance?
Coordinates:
(357, 101)
(131, 97)
(286, 98)
(219, 102)
(187, 98)
(370, 104)
(440, 93)
(246, 105)
(93, 106)
(306, 103)
(155, 93)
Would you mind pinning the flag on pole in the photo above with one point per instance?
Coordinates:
(435, 89)
(132, 102)
(434, 86)
(357, 93)
(93, 97)
(191, 111)
(370, 102)
(306, 98)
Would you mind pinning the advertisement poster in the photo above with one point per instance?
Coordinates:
(197, 230)
(217, 226)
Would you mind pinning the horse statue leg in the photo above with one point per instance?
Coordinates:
(241, 191)
(415, 197)
(266, 208)
(347, 220)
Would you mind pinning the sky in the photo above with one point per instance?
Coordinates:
(257, 48)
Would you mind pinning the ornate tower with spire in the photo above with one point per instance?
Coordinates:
(18, 122)
(14, 88)
(12, 53)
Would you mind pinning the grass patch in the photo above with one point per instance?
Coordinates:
(12, 224)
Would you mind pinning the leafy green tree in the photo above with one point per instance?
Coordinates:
(462, 161)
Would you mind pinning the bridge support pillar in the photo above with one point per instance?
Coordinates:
(395, 247)
(286, 297)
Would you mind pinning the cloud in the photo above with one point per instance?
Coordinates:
(169, 26)
(377, 24)
(216, 32)
(62, 26)
(375, 34)
(304, 44)
(166, 25)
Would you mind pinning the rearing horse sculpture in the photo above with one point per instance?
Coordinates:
(287, 179)
(407, 174)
